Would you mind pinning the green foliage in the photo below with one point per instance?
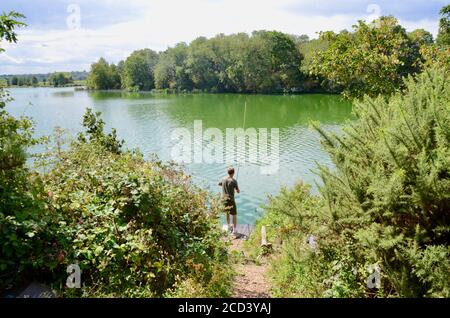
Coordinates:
(393, 169)
(8, 23)
(25, 244)
(22, 214)
(36, 80)
(421, 37)
(104, 76)
(386, 204)
(372, 60)
(443, 37)
(135, 227)
(60, 79)
(313, 82)
(138, 71)
(435, 56)
(263, 63)
(95, 133)
(170, 72)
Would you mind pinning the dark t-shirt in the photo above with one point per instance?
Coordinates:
(228, 186)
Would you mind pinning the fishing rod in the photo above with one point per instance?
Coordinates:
(243, 127)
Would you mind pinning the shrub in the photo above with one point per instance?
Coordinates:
(136, 228)
(25, 244)
(386, 204)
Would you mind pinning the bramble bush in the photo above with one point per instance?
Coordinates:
(25, 243)
(386, 204)
(137, 228)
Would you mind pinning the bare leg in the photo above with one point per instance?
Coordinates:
(234, 222)
(228, 219)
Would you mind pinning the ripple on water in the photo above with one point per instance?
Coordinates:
(146, 121)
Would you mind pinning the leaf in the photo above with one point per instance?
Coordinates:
(98, 250)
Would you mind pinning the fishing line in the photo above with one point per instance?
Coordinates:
(243, 127)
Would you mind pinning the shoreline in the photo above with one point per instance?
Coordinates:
(194, 92)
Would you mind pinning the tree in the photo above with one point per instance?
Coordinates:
(170, 72)
(372, 60)
(312, 82)
(8, 23)
(60, 79)
(200, 65)
(138, 70)
(34, 81)
(443, 37)
(104, 76)
(299, 39)
(265, 62)
(285, 60)
(436, 56)
(15, 81)
(421, 37)
(22, 81)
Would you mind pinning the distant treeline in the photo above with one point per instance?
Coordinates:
(51, 79)
(372, 59)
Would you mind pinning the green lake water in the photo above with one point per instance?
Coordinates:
(147, 121)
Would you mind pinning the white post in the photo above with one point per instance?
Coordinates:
(263, 236)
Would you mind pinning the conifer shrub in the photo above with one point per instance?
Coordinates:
(385, 205)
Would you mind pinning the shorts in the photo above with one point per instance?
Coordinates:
(230, 206)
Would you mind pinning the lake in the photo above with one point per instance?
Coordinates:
(147, 121)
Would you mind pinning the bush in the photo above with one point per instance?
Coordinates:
(385, 205)
(136, 228)
(133, 226)
(24, 242)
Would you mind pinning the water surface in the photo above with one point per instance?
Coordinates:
(146, 121)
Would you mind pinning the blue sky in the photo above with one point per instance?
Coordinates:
(113, 28)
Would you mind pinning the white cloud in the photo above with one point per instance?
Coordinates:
(163, 23)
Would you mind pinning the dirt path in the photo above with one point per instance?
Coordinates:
(251, 279)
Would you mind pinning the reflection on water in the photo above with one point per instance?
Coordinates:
(146, 121)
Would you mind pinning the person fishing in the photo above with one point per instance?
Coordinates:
(229, 185)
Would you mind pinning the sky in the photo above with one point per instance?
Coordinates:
(68, 35)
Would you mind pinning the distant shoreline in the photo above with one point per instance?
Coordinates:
(173, 92)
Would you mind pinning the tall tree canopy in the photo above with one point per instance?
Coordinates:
(444, 27)
(268, 61)
(104, 76)
(60, 79)
(170, 71)
(421, 37)
(371, 60)
(138, 70)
